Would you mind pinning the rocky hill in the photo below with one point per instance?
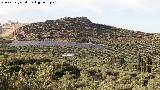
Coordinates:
(78, 29)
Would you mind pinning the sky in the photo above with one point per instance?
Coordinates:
(138, 15)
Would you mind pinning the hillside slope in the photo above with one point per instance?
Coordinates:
(78, 29)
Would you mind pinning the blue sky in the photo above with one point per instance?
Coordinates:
(138, 15)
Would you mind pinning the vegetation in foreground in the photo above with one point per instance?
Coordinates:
(112, 68)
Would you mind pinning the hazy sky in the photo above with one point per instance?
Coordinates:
(139, 15)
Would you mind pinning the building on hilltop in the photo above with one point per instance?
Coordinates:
(10, 27)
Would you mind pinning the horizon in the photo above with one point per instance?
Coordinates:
(137, 15)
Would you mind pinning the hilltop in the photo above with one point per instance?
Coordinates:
(78, 29)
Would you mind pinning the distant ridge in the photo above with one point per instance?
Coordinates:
(78, 29)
